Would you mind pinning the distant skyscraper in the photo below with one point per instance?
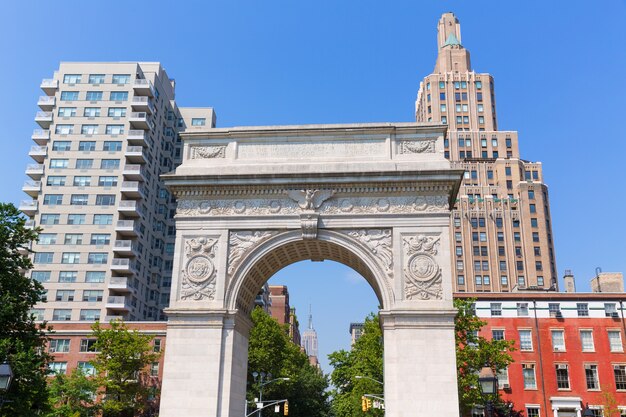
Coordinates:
(309, 338)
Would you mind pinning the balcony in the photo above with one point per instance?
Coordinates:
(35, 171)
(122, 266)
(132, 189)
(133, 172)
(143, 87)
(139, 120)
(129, 208)
(46, 103)
(118, 302)
(44, 119)
(137, 137)
(38, 153)
(40, 136)
(28, 207)
(32, 188)
(49, 86)
(126, 228)
(134, 154)
(29, 224)
(119, 284)
(124, 247)
(142, 104)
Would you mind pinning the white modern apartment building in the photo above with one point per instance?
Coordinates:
(107, 131)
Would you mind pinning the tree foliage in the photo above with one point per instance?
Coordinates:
(272, 352)
(73, 395)
(364, 359)
(122, 365)
(22, 340)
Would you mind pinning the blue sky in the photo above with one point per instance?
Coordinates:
(559, 69)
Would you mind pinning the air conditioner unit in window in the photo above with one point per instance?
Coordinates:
(615, 315)
(527, 366)
(506, 386)
(561, 366)
(558, 314)
(559, 349)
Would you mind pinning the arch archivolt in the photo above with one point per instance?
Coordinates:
(254, 256)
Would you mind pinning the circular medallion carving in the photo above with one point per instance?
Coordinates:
(383, 204)
(240, 207)
(423, 267)
(204, 207)
(274, 206)
(345, 206)
(199, 269)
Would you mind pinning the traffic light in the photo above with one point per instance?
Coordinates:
(363, 403)
(286, 409)
(369, 403)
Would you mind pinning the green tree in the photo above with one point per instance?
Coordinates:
(73, 395)
(364, 359)
(22, 341)
(271, 351)
(122, 365)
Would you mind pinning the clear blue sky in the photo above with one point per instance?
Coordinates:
(559, 69)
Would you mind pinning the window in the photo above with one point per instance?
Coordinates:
(93, 95)
(610, 310)
(97, 258)
(591, 377)
(47, 239)
(43, 258)
(202, 121)
(58, 163)
(109, 164)
(554, 309)
(100, 239)
(92, 112)
(522, 309)
(89, 129)
(582, 309)
(102, 219)
(105, 200)
(442, 96)
(528, 371)
(96, 78)
(87, 368)
(84, 163)
(92, 295)
(459, 251)
(107, 181)
(497, 334)
(478, 279)
(73, 239)
(562, 376)
(619, 371)
(118, 96)
(79, 199)
(65, 295)
(558, 340)
(69, 95)
(537, 250)
(504, 280)
(82, 181)
(532, 411)
(540, 281)
(586, 340)
(40, 276)
(67, 112)
(500, 237)
(496, 309)
(71, 79)
(538, 266)
(457, 237)
(157, 345)
(61, 314)
(87, 345)
(112, 146)
(120, 79)
(68, 276)
(55, 181)
(115, 129)
(460, 279)
(459, 265)
(70, 258)
(502, 265)
(535, 236)
(75, 219)
(525, 340)
(94, 276)
(521, 281)
(53, 199)
(615, 341)
(57, 367)
(117, 111)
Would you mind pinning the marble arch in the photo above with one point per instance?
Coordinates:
(252, 200)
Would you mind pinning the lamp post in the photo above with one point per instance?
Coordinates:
(488, 383)
(262, 376)
(367, 377)
(6, 377)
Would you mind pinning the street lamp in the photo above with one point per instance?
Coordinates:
(262, 376)
(6, 377)
(367, 377)
(488, 383)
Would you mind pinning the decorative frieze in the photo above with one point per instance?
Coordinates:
(394, 205)
(310, 199)
(208, 152)
(378, 241)
(199, 271)
(422, 273)
(417, 146)
(242, 242)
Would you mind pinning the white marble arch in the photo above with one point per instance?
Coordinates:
(252, 200)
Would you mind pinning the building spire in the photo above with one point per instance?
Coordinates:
(452, 56)
(310, 318)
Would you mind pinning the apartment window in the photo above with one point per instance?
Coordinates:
(586, 340)
(533, 222)
(504, 280)
(96, 78)
(501, 251)
(538, 266)
(118, 96)
(481, 119)
(120, 79)
(47, 239)
(82, 181)
(55, 181)
(540, 281)
(459, 251)
(68, 276)
(457, 237)
(59, 345)
(500, 237)
(69, 95)
(89, 314)
(525, 340)
(459, 265)
(94, 276)
(522, 309)
(97, 258)
(43, 258)
(558, 340)
(92, 296)
(615, 341)
(112, 146)
(200, 121)
(70, 258)
(75, 219)
(66, 112)
(554, 309)
(107, 181)
(115, 129)
(528, 371)
(117, 111)
(87, 368)
(478, 84)
(535, 236)
(91, 112)
(521, 281)
(89, 129)
(53, 199)
(442, 108)
(442, 96)
(84, 163)
(79, 199)
(477, 265)
(102, 219)
(100, 239)
(582, 309)
(520, 265)
(610, 309)
(532, 411)
(37, 314)
(486, 280)
(156, 345)
(105, 200)
(58, 163)
(591, 377)
(619, 371)
(460, 279)
(496, 309)
(479, 96)
(478, 279)
(562, 376)
(55, 368)
(502, 265)
(537, 250)
(497, 334)
(73, 239)
(87, 345)
(59, 314)
(483, 236)
(444, 120)
(40, 276)
(71, 79)
(93, 96)
(65, 295)
(109, 164)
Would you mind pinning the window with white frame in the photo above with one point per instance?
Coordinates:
(57, 367)
(615, 340)
(496, 309)
(497, 334)
(558, 340)
(610, 310)
(591, 376)
(525, 340)
(522, 309)
(586, 340)
(59, 345)
(562, 375)
(528, 371)
(503, 378)
(532, 411)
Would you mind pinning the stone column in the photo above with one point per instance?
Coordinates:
(420, 363)
(204, 373)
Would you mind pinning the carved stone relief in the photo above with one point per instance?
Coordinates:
(199, 271)
(310, 199)
(422, 273)
(370, 205)
(208, 152)
(379, 242)
(242, 242)
(417, 146)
